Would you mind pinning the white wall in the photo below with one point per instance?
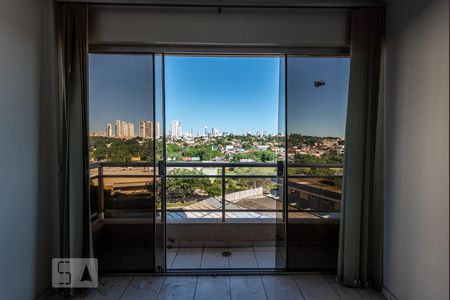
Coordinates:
(153, 26)
(416, 250)
(27, 162)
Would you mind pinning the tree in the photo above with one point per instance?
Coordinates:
(213, 188)
(257, 156)
(305, 158)
(205, 152)
(173, 151)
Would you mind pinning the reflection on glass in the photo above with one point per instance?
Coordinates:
(160, 243)
(317, 105)
(121, 153)
(94, 197)
(316, 117)
(280, 229)
(159, 107)
(128, 192)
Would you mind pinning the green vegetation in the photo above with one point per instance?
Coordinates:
(315, 171)
(173, 151)
(191, 189)
(203, 151)
(185, 190)
(325, 158)
(138, 149)
(296, 139)
(258, 156)
(118, 150)
(181, 191)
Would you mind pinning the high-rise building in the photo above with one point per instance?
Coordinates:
(142, 129)
(158, 130)
(123, 129)
(146, 129)
(175, 130)
(118, 128)
(130, 130)
(109, 131)
(215, 131)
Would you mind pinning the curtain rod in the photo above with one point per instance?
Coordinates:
(234, 4)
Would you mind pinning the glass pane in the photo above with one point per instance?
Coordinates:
(122, 160)
(246, 171)
(126, 197)
(188, 193)
(316, 117)
(194, 170)
(256, 197)
(160, 243)
(280, 230)
(94, 197)
(222, 145)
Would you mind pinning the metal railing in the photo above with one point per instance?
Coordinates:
(161, 172)
(223, 176)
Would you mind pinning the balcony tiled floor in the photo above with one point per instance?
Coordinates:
(212, 258)
(255, 287)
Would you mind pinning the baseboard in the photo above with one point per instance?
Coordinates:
(387, 294)
(44, 294)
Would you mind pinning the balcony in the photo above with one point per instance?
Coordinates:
(214, 206)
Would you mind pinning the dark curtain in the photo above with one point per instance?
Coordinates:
(361, 232)
(72, 47)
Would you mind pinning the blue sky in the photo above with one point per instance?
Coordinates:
(317, 111)
(234, 94)
(120, 88)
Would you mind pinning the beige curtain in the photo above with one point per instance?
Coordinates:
(361, 232)
(74, 209)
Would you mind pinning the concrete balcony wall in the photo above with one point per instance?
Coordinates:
(313, 244)
(221, 234)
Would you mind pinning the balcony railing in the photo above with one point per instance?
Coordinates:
(308, 192)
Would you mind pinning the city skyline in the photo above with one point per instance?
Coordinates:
(122, 129)
(146, 129)
(233, 94)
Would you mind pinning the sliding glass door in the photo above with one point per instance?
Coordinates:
(281, 242)
(122, 161)
(216, 162)
(220, 181)
(160, 159)
(316, 106)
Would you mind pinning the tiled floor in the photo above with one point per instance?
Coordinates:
(212, 258)
(272, 287)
